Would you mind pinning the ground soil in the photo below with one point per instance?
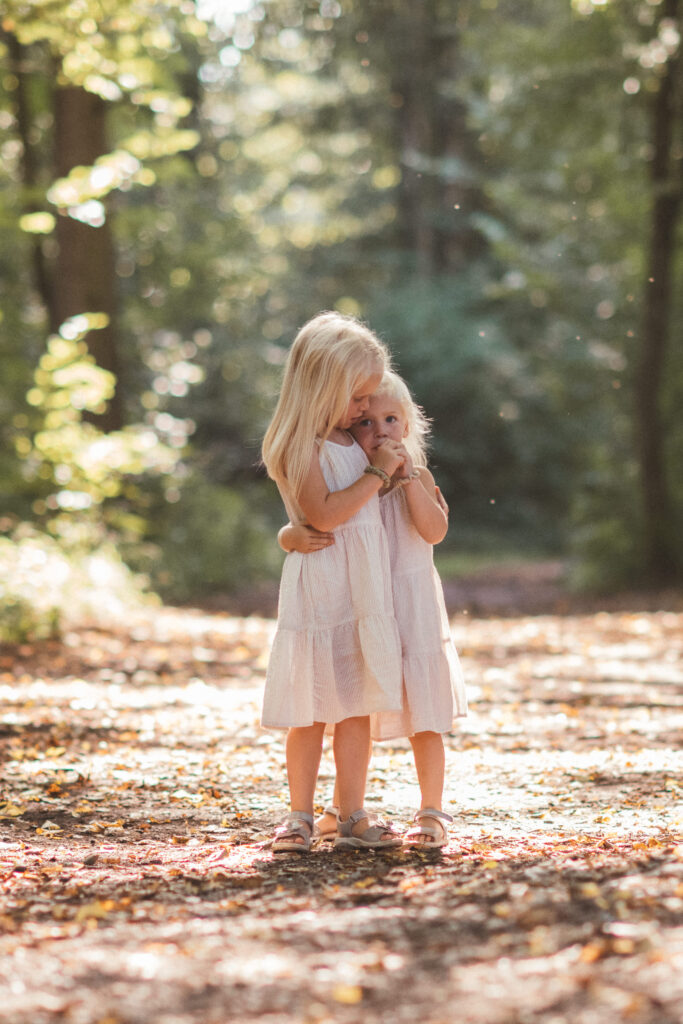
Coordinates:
(138, 794)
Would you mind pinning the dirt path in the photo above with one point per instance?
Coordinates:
(138, 793)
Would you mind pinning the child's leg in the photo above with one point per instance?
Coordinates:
(327, 822)
(304, 748)
(430, 762)
(351, 740)
(351, 749)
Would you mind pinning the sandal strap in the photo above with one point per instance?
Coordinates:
(431, 812)
(425, 830)
(372, 833)
(298, 823)
(331, 809)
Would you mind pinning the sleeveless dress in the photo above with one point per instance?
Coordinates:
(433, 686)
(336, 651)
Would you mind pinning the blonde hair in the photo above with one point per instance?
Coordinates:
(416, 440)
(330, 356)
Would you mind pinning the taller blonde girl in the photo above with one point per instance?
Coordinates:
(336, 655)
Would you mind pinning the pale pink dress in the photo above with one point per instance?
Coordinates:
(336, 651)
(433, 686)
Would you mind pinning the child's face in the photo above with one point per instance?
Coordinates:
(360, 398)
(384, 420)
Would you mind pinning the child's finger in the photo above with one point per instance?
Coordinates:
(318, 541)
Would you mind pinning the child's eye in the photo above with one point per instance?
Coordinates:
(391, 419)
(363, 423)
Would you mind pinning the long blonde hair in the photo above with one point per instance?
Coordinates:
(416, 440)
(330, 356)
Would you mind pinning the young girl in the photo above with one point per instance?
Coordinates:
(415, 519)
(336, 655)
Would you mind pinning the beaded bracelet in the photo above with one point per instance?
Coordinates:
(376, 471)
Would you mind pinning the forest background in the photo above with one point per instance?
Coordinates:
(495, 186)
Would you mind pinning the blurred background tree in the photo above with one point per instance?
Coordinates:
(495, 186)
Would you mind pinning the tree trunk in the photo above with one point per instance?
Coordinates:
(438, 155)
(658, 534)
(413, 85)
(85, 278)
(20, 63)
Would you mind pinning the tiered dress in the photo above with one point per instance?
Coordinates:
(336, 651)
(433, 687)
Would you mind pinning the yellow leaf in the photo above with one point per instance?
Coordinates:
(96, 910)
(363, 883)
(10, 810)
(349, 994)
(406, 884)
(592, 952)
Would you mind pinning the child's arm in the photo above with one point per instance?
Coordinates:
(325, 509)
(303, 538)
(426, 507)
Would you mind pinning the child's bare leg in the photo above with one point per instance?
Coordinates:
(304, 748)
(351, 738)
(351, 748)
(430, 762)
(327, 823)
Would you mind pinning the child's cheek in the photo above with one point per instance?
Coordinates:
(363, 440)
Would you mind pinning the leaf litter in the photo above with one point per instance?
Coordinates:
(138, 795)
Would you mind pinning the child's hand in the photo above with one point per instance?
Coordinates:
(407, 468)
(305, 538)
(389, 456)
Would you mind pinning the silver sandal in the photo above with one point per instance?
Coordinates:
(370, 839)
(437, 835)
(298, 823)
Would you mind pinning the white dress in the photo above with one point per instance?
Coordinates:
(434, 690)
(336, 651)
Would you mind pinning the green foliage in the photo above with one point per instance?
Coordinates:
(121, 52)
(214, 540)
(472, 179)
(606, 527)
(43, 589)
(501, 471)
(87, 466)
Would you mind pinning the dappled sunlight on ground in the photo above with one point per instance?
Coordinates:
(139, 794)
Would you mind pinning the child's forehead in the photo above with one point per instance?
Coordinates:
(386, 402)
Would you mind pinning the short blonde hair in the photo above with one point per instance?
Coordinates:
(330, 356)
(419, 426)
